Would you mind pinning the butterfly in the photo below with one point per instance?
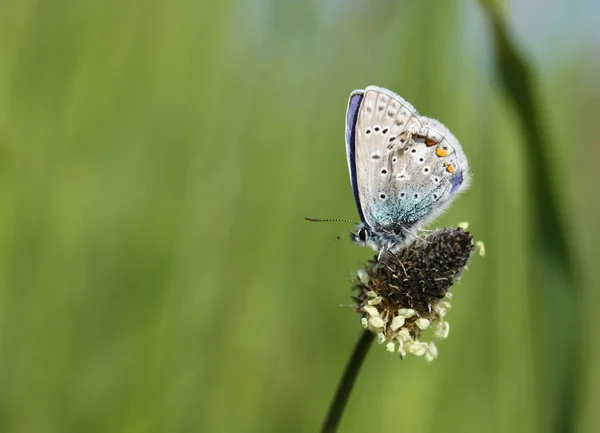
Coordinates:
(405, 169)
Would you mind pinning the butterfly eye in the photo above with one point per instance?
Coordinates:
(362, 234)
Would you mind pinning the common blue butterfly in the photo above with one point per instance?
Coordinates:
(405, 169)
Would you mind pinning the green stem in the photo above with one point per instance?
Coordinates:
(336, 410)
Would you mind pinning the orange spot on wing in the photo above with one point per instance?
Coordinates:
(450, 168)
(430, 141)
(441, 152)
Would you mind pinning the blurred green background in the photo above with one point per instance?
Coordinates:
(157, 159)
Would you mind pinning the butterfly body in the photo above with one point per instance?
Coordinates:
(405, 169)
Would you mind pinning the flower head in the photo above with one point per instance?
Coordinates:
(400, 295)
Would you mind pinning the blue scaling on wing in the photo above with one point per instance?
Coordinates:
(456, 181)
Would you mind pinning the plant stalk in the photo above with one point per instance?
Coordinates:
(336, 410)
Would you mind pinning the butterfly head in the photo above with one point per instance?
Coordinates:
(380, 239)
(360, 235)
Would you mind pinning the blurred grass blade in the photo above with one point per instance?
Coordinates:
(552, 279)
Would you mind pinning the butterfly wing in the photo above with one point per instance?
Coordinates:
(407, 168)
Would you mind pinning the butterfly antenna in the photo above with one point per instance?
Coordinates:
(328, 220)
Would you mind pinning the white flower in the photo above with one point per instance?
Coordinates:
(376, 323)
(442, 308)
(442, 330)
(375, 301)
(431, 352)
(445, 304)
(397, 323)
(479, 245)
(417, 348)
(463, 225)
(407, 313)
(363, 276)
(364, 323)
(422, 323)
(404, 336)
(371, 310)
(401, 350)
